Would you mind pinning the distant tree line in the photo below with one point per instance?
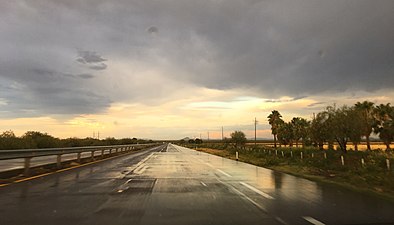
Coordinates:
(342, 125)
(35, 139)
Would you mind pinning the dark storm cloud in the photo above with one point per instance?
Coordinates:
(92, 60)
(85, 76)
(89, 57)
(277, 48)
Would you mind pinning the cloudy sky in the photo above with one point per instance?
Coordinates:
(167, 69)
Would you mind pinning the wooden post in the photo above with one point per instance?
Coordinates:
(325, 155)
(302, 156)
(283, 154)
(342, 160)
(236, 156)
(362, 162)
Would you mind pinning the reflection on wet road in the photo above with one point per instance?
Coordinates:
(176, 185)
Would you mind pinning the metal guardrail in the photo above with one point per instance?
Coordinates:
(28, 154)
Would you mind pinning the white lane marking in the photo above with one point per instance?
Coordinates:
(141, 163)
(139, 170)
(280, 220)
(142, 170)
(257, 191)
(210, 165)
(312, 220)
(249, 199)
(224, 173)
(128, 181)
(203, 184)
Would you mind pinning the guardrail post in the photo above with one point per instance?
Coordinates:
(59, 161)
(116, 150)
(26, 170)
(102, 153)
(78, 157)
(110, 151)
(92, 156)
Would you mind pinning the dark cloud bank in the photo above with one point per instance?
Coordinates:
(52, 52)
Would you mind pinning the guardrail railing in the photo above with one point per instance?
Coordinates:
(28, 154)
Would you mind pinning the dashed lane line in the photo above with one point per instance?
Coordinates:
(313, 220)
(224, 173)
(265, 195)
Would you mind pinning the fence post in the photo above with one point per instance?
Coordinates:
(342, 160)
(236, 156)
(302, 156)
(388, 164)
(283, 154)
(26, 170)
(291, 153)
(362, 162)
(276, 152)
(325, 155)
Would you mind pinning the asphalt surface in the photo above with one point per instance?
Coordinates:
(175, 185)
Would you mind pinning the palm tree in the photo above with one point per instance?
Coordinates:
(275, 121)
(300, 128)
(384, 124)
(366, 109)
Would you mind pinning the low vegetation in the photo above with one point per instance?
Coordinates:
(35, 139)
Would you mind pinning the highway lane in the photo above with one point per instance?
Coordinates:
(176, 185)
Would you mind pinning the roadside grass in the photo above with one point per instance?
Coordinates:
(323, 166)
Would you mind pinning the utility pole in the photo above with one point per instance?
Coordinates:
(94, 135)
(222, 133)
(98, 135)
(208, 135)
(255, 131)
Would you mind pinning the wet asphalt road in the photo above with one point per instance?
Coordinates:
(176, 185)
